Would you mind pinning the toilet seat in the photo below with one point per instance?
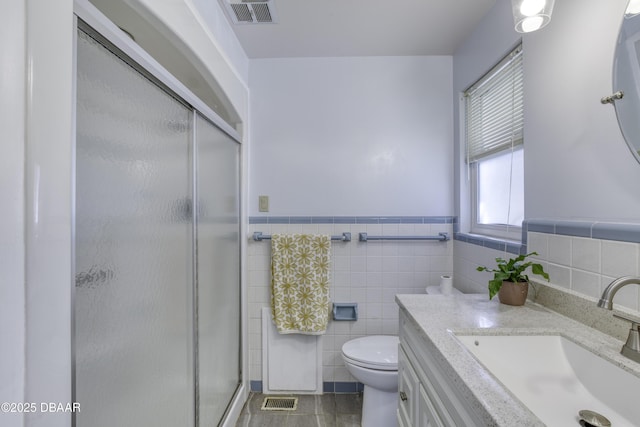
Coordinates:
(379, 352)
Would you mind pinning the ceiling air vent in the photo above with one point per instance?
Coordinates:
(251, 11)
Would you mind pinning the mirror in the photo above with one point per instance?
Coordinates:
(626, 77)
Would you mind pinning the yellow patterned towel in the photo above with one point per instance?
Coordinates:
(300, 283)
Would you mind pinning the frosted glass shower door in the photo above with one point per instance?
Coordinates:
(218, 267)
(134, 345)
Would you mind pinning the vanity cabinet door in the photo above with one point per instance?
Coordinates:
(408, 384)
(426, 412)
(436, 402)
(415, 408)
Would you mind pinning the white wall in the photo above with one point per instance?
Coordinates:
(209, 37)
(12, 262)
(491, 41)
(36, 113)
(48, 202)
(577, 165)
(370, 274)
(215, 24)
(351, 136)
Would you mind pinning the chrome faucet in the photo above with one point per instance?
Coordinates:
(631, 348)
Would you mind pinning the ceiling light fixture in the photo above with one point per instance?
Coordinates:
(633, 9)
(531, 15)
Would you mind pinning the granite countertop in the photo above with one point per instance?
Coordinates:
(439, 317)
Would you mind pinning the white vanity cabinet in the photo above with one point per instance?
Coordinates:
(426, 399)
(408, 385)
(415, 407)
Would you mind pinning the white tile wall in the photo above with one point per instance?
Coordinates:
(581, 264)
(370, 274)
(588, 265)
(467, 257)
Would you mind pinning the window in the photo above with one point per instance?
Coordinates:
(495, 151)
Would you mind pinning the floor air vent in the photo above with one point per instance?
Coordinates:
(279, 404)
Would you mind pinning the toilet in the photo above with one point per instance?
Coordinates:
(435, 290)
(373, 360)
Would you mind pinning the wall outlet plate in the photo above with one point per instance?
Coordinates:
(263, 203)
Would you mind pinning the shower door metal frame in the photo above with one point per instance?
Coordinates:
(138, 58)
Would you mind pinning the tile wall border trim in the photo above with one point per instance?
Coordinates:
(515, 248)
(327, 386)
(622, 232)
(352, 219)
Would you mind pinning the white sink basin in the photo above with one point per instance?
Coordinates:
(556, 378)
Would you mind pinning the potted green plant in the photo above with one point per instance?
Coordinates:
(510, 281)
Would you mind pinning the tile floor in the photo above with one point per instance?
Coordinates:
(327, 410)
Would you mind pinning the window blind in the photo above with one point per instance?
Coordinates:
(494, 109)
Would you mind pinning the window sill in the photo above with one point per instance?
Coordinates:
(498, 244)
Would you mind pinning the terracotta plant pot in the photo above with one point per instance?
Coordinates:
(512, 293)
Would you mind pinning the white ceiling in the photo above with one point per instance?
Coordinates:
(317, 28)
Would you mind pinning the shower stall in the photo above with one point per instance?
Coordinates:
(156, 304)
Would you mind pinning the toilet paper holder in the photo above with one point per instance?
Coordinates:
(345, 311)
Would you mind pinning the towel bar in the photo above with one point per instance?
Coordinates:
(441, 237)
(258, 237)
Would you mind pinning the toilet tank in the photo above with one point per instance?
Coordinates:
(435, 290)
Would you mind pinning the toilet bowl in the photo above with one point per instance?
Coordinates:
(373, 361)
